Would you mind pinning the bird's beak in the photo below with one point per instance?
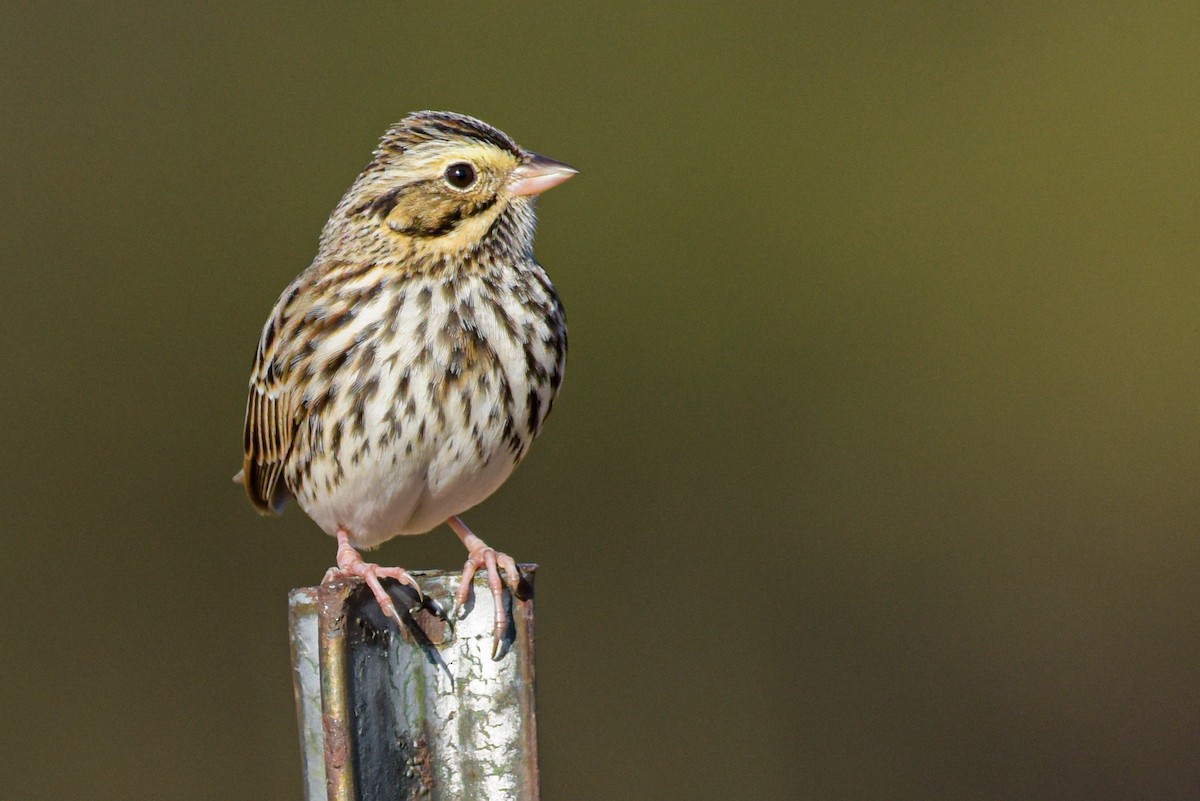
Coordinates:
(537, 174)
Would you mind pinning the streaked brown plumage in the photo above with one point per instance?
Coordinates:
(402, 376)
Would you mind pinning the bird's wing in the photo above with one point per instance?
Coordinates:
(271, 413)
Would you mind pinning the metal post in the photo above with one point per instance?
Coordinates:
(418, 712)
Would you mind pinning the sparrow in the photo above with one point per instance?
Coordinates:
(403, 375)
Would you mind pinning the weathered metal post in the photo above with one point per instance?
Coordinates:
(418, 712)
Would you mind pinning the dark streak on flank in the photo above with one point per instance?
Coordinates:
(335, 441)
(465, 398)
(397, 304)
(534, 405)
(331, 367)
(361, 399)
(502, 316)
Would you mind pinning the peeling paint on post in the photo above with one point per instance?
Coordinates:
(306, 680)
(420, 713)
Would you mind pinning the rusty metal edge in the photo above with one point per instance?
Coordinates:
(525, 633)
(335, 718)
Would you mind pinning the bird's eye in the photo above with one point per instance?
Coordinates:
(460, 175)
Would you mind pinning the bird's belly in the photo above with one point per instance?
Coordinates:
(454, 484)
(372, 499)
(405, 462)
(434, 396)
(376, 500)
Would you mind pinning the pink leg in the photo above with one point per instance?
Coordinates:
(349, 563)
(480, 556)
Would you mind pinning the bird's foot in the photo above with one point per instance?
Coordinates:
(350, 563)
(480, 556)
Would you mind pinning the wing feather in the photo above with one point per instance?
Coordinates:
(271, 415)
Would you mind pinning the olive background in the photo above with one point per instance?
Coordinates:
(875, 470)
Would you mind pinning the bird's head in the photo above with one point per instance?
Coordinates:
(442, 184)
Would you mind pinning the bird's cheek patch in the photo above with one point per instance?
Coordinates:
(429, 218)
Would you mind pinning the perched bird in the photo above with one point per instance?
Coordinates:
(403, 375)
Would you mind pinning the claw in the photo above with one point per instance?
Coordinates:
(512, 574)
(349, 563)
(401, 575)
(480, 556)
(389, 609)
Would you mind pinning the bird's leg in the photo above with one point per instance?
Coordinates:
(349, 563)
(480, 555)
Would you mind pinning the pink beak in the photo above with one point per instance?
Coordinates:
(538, 174)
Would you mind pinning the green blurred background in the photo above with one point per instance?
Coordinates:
(875, 471)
